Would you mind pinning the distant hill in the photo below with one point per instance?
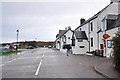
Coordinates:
(32, 43)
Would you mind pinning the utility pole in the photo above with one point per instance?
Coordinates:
(17, 35)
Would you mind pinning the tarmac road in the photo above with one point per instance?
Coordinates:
(49, 63)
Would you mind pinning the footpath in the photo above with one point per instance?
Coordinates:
(107, 69)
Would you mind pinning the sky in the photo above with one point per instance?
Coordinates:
(41, 20)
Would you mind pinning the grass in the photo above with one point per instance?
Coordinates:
(8, 53)
(22, 47)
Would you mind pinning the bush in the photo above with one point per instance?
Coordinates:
(116, 49)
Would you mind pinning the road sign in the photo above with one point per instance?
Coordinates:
(105, 36)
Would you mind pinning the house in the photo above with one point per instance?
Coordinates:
(93, 26)
(88, 37)
(64, 39)
(79, 42)
(58, 39)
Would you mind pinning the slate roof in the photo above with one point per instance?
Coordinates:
(61, 32)
(59, 35)
(80, 35)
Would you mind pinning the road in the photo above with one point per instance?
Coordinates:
(49, 63)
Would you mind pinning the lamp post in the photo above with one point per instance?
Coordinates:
(17, 35)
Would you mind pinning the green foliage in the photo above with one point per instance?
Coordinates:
(0, 53)
(116, 48)
(8, 53)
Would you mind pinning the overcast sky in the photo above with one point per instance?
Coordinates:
(42, 20)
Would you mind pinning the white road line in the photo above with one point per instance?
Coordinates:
(38, 67)
(43, 56)
(2, 65)
(11, 61)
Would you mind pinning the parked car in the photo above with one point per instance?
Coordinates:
(49, 46)
(29, 47)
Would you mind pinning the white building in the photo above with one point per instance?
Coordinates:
(93, 26)
(64, 39)
(79, 42)
(58, 40)
(93, 30)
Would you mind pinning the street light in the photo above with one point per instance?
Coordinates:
(17, 35)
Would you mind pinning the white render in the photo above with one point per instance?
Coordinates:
(57, 44)
(111, 33)
(68, 35)
(76, 49)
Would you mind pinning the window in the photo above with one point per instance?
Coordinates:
(91, 42)
(91, 26)
(65, 38)
(80, 29)
(68, 37)
(82, 46)
(73, 42)
(109, 43)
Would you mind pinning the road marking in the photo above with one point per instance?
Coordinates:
(29, 57)
(11, 61)
(43, 56)
(8, 62)
(38, 67)
(2, 65)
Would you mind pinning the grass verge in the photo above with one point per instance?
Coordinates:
(8, 53)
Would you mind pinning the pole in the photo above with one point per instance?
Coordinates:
(17, 35)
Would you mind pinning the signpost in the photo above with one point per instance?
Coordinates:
(105, 36)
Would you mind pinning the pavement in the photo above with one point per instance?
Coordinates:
(107, 69)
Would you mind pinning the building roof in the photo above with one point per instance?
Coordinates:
(80, 35)
(93, 17)
(62, 32)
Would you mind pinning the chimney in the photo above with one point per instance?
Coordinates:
(115, 1)
(82, 20)
(65, 28)
(69, 27)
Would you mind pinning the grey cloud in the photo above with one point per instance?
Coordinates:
(43, 20)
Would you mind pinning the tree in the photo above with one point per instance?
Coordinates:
(116, 48)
